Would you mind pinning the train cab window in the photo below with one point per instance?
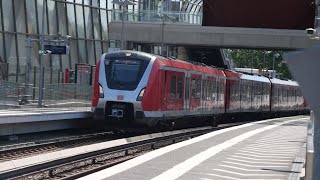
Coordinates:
(180, 86)
(173, 87)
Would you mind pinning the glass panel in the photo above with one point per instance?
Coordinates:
(31, 18)
(2, 58)
(80, 22)
(71, 19)
(8, 16)
(125, 73)
(52, 17)
(91, 58)
(88, 20)
(99, 50)
(20, 16)
(96, 23)
(62, 18)
(82, 52)
(22, 49)
(55, 61)
(40, 9)
(65, 62)
(11, 49)
(74, 52)
(104, 22)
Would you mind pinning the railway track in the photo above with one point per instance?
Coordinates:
(21, 150)
(84, 164)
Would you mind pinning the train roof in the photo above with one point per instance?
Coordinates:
(283, 82)
(255, 78)
(176, 63)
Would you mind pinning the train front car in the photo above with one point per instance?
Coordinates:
(120, 83)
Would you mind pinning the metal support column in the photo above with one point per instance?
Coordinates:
(28, 66)
(41, 84)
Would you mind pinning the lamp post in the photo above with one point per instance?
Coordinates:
(44, 4)
(124, 4)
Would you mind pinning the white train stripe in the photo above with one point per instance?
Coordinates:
(254, 162)
(241, 174)
(255, 166)
(264, 159)
(190, 163)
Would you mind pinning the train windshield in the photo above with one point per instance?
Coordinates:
(124, 73)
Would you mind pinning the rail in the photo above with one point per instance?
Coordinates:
(83, 164)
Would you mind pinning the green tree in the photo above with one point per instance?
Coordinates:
(263, 59)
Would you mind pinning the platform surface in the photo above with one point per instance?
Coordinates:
(26, 115)
(269, 149)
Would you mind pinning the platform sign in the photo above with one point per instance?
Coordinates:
(57, 49)
(82, 75)
(113, 49)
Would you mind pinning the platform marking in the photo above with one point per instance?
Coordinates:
(269, 156)
(156, 153)
(272, 147)
(271, 150)
(241, 174)
(232, 178)
(263, 154)
(267, 162)
(190, 163)
(265, 159)
(243, 169)
(229, 162)
(217, 175)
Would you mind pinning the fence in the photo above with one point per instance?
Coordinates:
(67, 95)
(16, 89)
(156, 16)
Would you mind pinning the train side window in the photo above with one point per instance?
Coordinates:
(198, 96)
(173, 87)
(193, 88)
(214, 90)
(180, 86)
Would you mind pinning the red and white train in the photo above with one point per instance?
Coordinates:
(135, 88)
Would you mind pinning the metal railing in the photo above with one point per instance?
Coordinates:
(66, 95)
(15, 89)
(157, 16)
(310, 149)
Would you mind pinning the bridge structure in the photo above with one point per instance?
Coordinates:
(216, 24)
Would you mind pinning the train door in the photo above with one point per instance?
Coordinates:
(186, 92)
(174, 91)
(195, 93)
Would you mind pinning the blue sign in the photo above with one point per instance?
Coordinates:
(56, 49)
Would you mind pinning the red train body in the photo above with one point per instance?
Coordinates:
(135, 88)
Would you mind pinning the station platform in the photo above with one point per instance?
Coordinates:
(269, 149)
(28, 120)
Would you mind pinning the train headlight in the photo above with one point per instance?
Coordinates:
(139, 98)
(101, 93)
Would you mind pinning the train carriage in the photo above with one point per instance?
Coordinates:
(142, 89)
(255, 93)
(139, 89)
